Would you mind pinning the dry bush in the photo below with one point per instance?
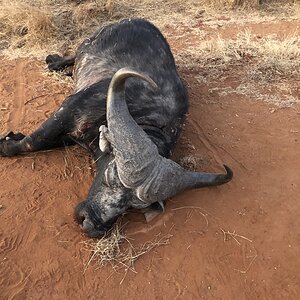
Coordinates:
(281, 55)
(91, 13)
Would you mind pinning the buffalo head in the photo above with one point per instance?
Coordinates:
(131, 172)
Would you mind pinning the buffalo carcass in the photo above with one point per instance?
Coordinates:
(126, 82)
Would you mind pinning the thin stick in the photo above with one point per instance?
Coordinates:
(33, 98)
(234, 235)
(247, 269)
(194, 207)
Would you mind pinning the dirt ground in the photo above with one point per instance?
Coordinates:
(237, 241)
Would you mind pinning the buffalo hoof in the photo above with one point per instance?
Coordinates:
(58, 63)
(8, 143)
(12, 136)
(54, 62)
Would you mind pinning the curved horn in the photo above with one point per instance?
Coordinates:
(116, 92)
(134, 151)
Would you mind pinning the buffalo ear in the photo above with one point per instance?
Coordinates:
(104, 144)
(154, 210)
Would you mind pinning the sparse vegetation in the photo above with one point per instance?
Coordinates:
(233, 3)
(21, 23)
(116, 249)
(38, 27)
(47, 25)
(269, 65)
(282, 56)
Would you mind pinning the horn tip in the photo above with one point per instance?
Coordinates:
(229, 173)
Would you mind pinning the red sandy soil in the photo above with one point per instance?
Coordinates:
(41, 250)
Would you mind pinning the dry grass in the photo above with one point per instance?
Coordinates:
(268, 66)
(48, 25)
(38, 27)
(281, 55)
(190, 162)
(59, 77)
(233, 235)
(274, 94)
(23, 21)
(232, 3)
(116, 250)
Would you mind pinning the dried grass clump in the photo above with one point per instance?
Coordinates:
(37, 27)
(190, 162)
(116, 250)
(59, 77)
(230, 4)
(280, 55)
(26, 22)
(281, 94)
(91, 14)
(246, 4)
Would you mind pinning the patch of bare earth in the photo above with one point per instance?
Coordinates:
(237, 241)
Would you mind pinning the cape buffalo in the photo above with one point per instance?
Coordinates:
(126, 84)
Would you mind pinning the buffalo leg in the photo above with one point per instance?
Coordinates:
(59, 63)
(51, 134)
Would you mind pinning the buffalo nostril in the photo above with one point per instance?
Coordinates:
(81, 218)
(80, 213)
(87, 225)
(84, 221)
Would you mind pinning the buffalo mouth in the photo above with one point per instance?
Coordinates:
(91, 225)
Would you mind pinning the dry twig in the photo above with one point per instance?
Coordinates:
(234, 236)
